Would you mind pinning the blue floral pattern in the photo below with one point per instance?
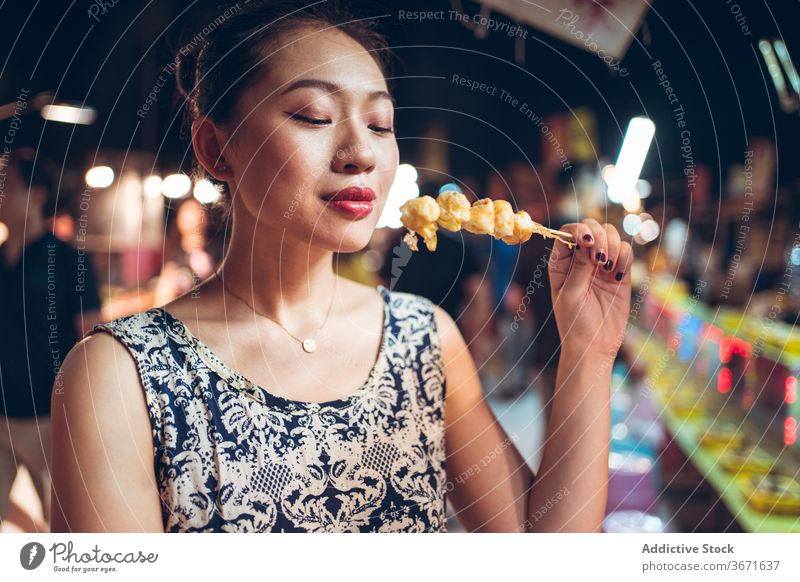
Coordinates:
(231, 456)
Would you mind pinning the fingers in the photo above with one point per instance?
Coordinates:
(592, 241)
(563, 257)
(597, 247)
(613, 243)
(622, 270)
(562, 253)
(600, 253)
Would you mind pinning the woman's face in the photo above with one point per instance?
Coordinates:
(312, 147)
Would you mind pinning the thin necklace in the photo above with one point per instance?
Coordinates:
(309, 344)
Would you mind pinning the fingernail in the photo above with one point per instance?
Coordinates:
(618, 276)
(609, 265)
(588, 238)
(601, 257)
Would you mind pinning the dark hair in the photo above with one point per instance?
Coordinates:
(35, 170)
(227, 56)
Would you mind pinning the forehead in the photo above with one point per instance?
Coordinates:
(328, 54)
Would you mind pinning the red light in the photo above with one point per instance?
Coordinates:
(714, 333)
(730, 345)
(789, 431)
(741, 347)
(790, 386)
(724, 381)
(725, 351)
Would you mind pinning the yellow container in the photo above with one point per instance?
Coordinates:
(722, 435)
(746, 460)
(688, 409)
(772, 493)
(783, 337)
(685, 401)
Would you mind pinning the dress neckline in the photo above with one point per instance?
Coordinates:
(262, 394)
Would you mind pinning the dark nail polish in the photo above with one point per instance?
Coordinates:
(618, 276)
(601, 257)
(588, 238)
(609, 265)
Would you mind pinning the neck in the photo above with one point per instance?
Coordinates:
(282, 277)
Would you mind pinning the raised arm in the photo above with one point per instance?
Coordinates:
(102, 468)
(591, 292)
(491, 486)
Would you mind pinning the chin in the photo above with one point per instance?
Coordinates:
(347, 240)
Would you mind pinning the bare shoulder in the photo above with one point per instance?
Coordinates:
(92, 363)
(98, 376)
(103, 477)
(450, 337)
(464, 387)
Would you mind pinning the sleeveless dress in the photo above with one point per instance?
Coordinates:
(231, 456)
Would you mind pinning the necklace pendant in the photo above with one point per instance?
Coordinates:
(309, 345)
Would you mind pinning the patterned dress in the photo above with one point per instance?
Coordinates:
(231, 456)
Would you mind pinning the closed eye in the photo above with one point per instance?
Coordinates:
(309, 120)
(379, 129)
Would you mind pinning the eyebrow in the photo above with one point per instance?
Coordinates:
(332, 88)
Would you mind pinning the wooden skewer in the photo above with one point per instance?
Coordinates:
(411, 237)
(564, 237)
(561, 233)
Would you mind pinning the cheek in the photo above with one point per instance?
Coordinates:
(283, 170)
(305, 154)
(388, 160)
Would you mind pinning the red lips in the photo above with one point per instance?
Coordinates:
(354, 201)
(358, 193)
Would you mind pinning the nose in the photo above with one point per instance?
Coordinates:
(354, 154)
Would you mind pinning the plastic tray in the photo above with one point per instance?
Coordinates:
(770, 493)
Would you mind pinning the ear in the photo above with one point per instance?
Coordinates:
(208, 141)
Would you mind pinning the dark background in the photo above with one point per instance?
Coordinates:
(717, 73)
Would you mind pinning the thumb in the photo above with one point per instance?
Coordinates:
(581, 273)
(572, 266)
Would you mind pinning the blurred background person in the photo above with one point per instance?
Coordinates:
(48, 300)
(186, 258)
(541, 194)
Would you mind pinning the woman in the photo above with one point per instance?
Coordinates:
(278, 397)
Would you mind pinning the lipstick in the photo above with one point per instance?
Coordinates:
(354, 201)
